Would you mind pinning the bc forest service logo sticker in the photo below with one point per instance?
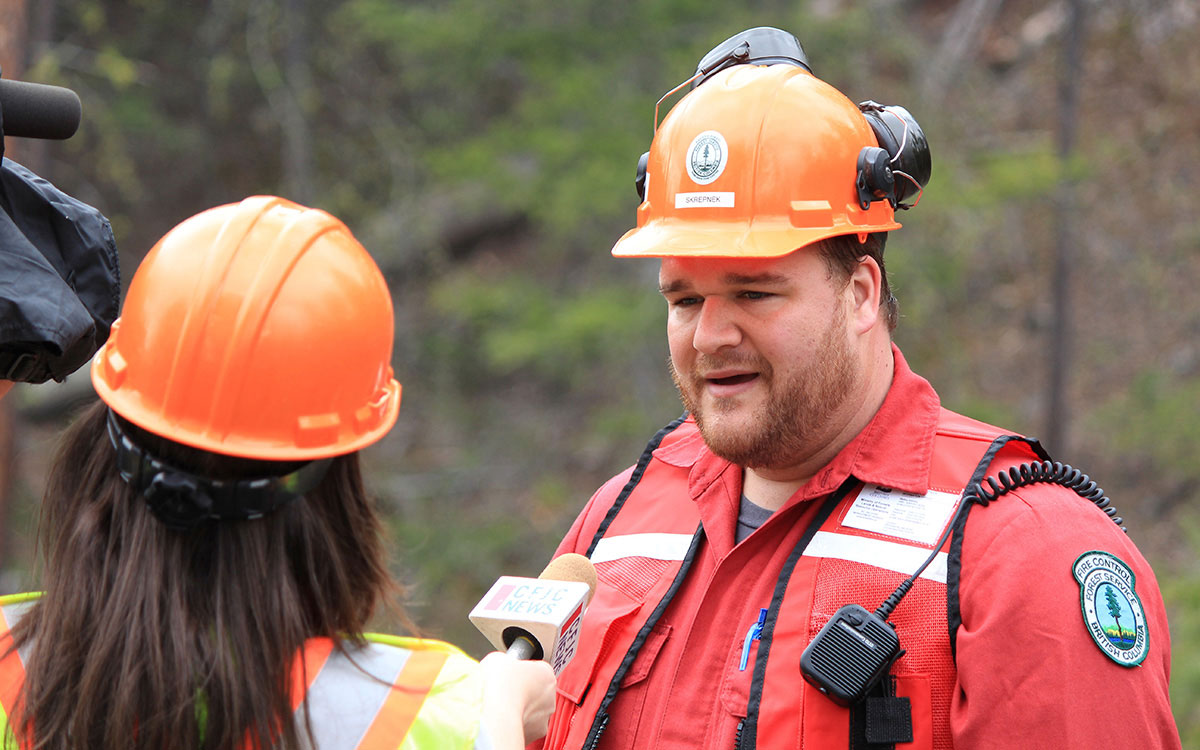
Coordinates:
(1111, 608)
(706, 157)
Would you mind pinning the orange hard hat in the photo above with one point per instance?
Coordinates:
(260, 329)
(757, 161)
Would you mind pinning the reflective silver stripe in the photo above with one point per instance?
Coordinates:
(343, 701)
(900, 558)
(658, 546)
(13, 613)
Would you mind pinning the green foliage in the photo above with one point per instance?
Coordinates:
(1181, 591)
(90, 16)
(117, 69)
(1146, 420)
(517, 324)
(1026, 174)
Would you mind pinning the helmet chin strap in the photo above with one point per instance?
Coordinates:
(182, 500)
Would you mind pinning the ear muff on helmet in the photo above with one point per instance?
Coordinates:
(899, 168)
(639, 182)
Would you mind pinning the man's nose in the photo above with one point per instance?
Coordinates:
(716, 327)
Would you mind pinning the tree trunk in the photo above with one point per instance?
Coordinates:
(1057, 410)
(959, 41)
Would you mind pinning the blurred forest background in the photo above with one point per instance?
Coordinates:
(484, 151)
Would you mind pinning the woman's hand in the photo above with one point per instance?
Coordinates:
(518, 698)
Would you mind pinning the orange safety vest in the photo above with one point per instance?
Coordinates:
(646, 543)
(348, 710)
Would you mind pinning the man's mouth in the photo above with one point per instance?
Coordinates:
(745, 377)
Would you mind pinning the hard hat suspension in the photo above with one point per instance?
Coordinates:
(182, 500)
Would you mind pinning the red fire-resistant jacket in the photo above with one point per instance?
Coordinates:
(1004, 633)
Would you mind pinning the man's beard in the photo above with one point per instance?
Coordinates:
(795, 414)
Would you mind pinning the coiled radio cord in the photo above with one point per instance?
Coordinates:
(1049, 472)
(991, 488)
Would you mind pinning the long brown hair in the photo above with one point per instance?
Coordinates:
(152, 638)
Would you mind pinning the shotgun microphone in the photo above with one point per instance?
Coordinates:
(36, 110)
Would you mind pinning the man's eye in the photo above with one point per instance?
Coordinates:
(755, 295)
(683, 301)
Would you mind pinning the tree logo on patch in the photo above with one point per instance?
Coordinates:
(1112, 610)
(706, 157)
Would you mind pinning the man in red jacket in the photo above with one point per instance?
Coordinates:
(819, 555)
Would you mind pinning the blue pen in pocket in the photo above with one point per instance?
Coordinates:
(753, 634)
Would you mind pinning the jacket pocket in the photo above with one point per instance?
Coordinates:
(735, 680)
(609, 612)
(626, 729)
(646, 656)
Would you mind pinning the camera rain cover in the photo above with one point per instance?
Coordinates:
(60, 281)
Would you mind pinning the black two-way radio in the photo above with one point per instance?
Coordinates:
(851, 654)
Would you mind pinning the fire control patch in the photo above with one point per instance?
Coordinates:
(1111, 608)
(706, 157)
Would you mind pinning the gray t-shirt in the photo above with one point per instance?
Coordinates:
(750, 517)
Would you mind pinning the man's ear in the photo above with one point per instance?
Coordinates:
(865, 288)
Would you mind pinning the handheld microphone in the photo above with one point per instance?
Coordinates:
(36, 110)
(538, 618)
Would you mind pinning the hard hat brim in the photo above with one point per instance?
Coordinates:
(346, 435)
(667, 238)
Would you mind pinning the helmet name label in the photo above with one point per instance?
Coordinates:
(704, 200)
(706, 157)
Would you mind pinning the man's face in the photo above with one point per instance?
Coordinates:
(761, 353)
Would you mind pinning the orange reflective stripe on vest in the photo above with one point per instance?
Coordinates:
(366, 700)
(404, 702)
(307, 666)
